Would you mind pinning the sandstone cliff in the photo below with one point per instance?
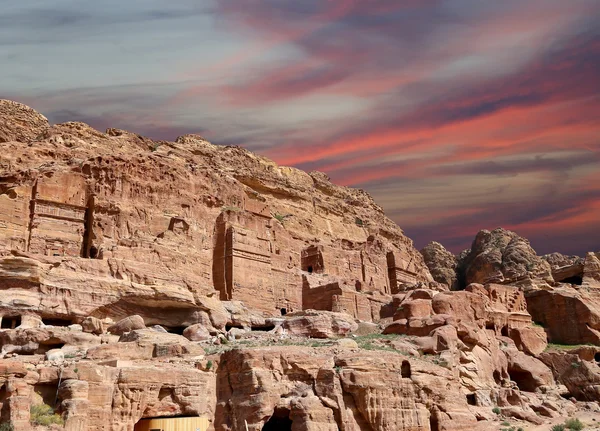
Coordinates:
(143, 279)
(114, 224)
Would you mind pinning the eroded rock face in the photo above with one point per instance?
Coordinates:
(570, 316)
(250, 294)
(321, 392)
(501, 256)
(441, 263)
(19, 122)
(112, 224)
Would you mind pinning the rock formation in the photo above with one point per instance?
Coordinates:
(441, 263)
(142, 279)
(502, 256)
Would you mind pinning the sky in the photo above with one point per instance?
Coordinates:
(455, 115)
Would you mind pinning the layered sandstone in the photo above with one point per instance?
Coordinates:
(145, 279)
(112, 224)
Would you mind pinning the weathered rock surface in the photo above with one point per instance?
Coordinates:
(19, 122)
(320, 324)
(502, 256)
(281, 284)
(441, 263)
(570, 316)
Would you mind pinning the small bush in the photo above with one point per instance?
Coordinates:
(559, 427)
(6, 426)
(496, 410)
(574, 424)
(575, 365)
(359, 222)
(280, 217)
(43, 414)
(209, 364)
(505, 424)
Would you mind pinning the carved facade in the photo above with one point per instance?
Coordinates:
(49, 218)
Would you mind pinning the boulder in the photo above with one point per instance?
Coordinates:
(127, 324)
(530, 339)
(92, 325)
(197, 332)
(319, 324)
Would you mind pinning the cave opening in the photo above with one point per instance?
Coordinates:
(43, 348)
(93, 252)
(283, 311)
(47, 393)
(504, 331)
(434, 424)
(4, 413)
(576, 279)
(228, 327)
(175, 329)
(597, 357)
(524, 380)
(10, 322)
(56, 322)
(310, 269)
(471, 400)
(264, 328)
(405, 370)
(280, 421)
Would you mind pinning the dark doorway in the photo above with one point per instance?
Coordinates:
(283, 311)
(280, 421)
(471, 400)
(504, 331)
(597, 357)
(310, 269)
(405, 369)
(11, 322)
(93, 252)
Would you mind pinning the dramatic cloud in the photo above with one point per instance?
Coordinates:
(456, 115)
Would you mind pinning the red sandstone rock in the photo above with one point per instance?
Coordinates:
(319, 324)
(441, 263)
(127, 325)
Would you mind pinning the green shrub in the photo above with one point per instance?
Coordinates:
(559, 427)
(496, 410)
(505, 424)
(280, 217)
(209, 364)
(574, 424)
(6, 426)
(575, 365)
(43, 414)
(359, 222)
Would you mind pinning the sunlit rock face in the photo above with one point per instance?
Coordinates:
(148, 279)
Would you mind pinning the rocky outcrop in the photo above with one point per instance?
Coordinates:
(109, 225)
(252, 296)
(441, 263)
(502, 256)
(569, 316)
(19, 122)
(319, 324)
